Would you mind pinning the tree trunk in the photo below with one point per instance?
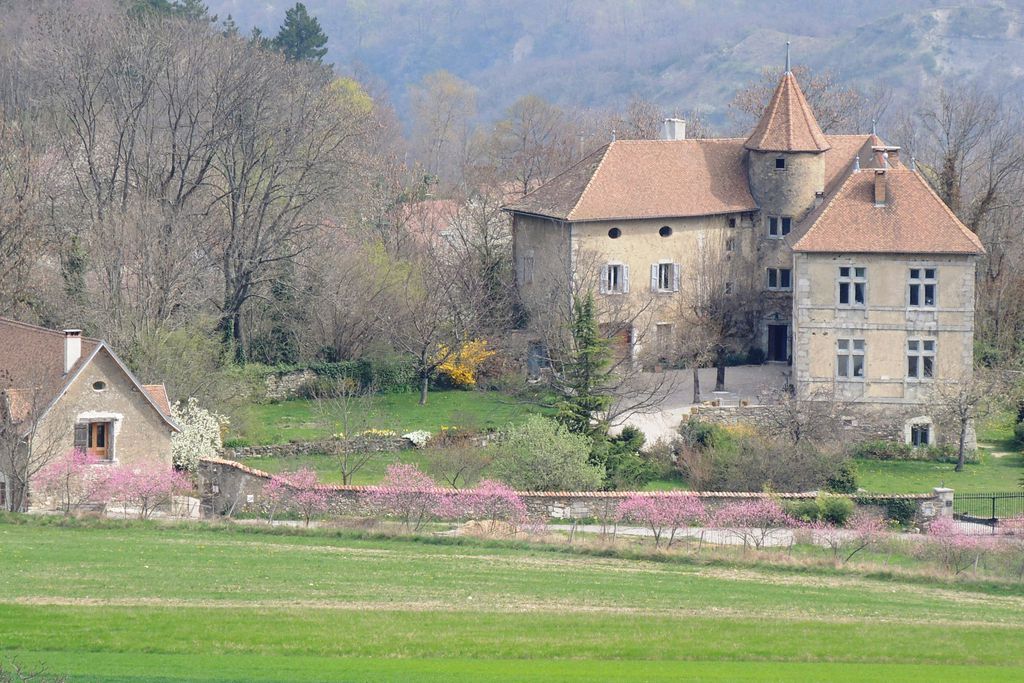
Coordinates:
(963, 452)
(423, 389)
(696, 385)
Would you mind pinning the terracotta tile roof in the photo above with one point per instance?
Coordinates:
(647, 179)
(787, 124)
(158, 392)
(913, 220)
(32, 362)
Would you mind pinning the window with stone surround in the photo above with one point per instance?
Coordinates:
(664, 277)
(780, 279)
(850, 357)
(923, 284)
(614, 279)
(920, 358)
(853, 286)
(779, 226)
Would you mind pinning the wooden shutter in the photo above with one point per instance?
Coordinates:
(604, 279)
(81, 436)
(675, 277)
(654, 277)
(625, 279)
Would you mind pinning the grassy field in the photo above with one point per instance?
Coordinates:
(302, 420)
(173, 604)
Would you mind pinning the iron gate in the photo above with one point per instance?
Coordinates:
(988, 508)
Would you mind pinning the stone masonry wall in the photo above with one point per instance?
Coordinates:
(357, 444)
(232, 488)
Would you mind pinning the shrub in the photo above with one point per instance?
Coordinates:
(756, 463)
(702, 435)
(624, 465)
(146, 486)
(844, 478)
(235, 442)
(834, 509)
(327, 387)
(806, 511)
(1018, 432)
(73, 480)
(541, 455)
(895, 450)
(901, 511)
(954, 549)
(459, 368)
(200, 435)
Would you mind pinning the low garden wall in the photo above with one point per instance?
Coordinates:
(229, 487)
(356, 444)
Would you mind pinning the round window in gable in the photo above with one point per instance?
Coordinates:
(99, 386)
(665, 231)
(615, 233)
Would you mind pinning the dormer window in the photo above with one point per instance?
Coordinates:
(780, 164)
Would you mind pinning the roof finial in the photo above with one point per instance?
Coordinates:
(788, 70)
(856, 163)
(613, 135)
(874, 122)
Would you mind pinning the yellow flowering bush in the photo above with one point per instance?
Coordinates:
(461, 366)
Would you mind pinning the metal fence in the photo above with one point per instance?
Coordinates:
(988, 508)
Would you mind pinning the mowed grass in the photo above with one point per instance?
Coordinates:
(172, 604)
(304, 420)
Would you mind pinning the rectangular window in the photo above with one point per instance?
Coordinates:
(615, 279)
(95, 438)
(850, 358)
(780, 163)
(920, 358)
(779, 226)
(527, 272)
(853, 285)
(920, 434)
(732, 221)
(664, 277)
(780, 279)
(923, 283)
(730, 244)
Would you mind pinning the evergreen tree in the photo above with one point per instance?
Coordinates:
(301, 37)
(584, 372)
(195, 10)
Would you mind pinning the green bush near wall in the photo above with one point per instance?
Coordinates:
(383, 375)
(894, 450)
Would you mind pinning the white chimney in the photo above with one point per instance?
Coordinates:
(72, 348)
(673, 129)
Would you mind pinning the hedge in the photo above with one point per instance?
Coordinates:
(894, 450)
(385, 375)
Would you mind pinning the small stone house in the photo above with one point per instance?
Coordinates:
(60, 390)
(864, 278)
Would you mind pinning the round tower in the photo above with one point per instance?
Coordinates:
(786, 161)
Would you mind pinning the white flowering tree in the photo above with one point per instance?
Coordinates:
(200, 434)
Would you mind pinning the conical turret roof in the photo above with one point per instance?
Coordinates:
(788, 124)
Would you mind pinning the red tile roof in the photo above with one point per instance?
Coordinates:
(787, 124)
(913, 220)
(158, 392)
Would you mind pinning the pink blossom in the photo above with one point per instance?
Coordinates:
(492, 501)
(862, 531)
(408, 495)
(663, 513)
(753, 520)
(146, 486)
(954, 549)
(75, 479)
(300, 491)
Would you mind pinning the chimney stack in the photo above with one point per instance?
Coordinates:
(673, 129)
(886, 153)
(72, 348)
(880, 187)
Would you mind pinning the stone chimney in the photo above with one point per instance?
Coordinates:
(673, 129)
(880, 187)
(72, 348)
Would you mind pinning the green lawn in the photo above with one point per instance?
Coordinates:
(326, 466)
(303, 420)
(175, 604)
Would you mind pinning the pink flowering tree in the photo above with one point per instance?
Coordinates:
(753, 521)
(955, 550)
(73, 480)
(663, 514)
(860, 533)
(490, 501)
(146, 486)
(408, 495)
(299, 491)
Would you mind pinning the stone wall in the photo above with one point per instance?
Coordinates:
(860, 422)
(357, 444)
(285, 385)
(232, 488)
